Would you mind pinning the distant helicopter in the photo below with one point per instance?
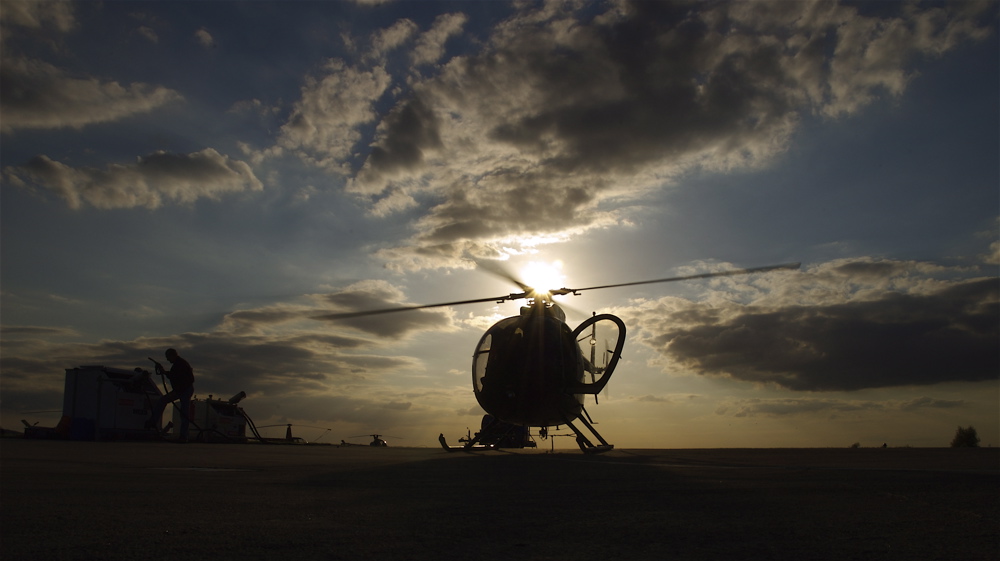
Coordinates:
(376, 440)
(529, 370)
(288, 433)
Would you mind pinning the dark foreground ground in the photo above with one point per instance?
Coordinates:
(135, 501)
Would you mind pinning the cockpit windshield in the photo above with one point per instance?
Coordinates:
(482, 360)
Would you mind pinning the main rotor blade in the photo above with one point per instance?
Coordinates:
(789, 266)
(346, 315)
(498, 270)
(530, 292)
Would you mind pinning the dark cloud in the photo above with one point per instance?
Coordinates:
(671, 87)
(250, 320)
(621, 97)
(931, 403)
(487, 214)
(868, 271)
(379, 295)
(781, 407)
(408, 132)
(397, 325)
(37, 95)
(928, 333)
(152, 180)
(35, 15)
(791, 406)
(20, 331)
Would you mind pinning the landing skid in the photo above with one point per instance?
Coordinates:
(471, 445)
(584, 443)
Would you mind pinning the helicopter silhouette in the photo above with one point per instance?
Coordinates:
(288, 433)
(377, 440)
(528, 370)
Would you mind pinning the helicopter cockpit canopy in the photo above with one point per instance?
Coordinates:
(523, 367)
(536, 354)
(481, 358)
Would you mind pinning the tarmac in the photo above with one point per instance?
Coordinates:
(67, 500)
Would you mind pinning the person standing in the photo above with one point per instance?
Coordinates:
(181, 377)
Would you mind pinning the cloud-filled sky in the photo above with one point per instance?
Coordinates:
(217, 176)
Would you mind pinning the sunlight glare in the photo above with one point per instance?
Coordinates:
(543, 276)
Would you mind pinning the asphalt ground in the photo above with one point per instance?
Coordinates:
(65, 500)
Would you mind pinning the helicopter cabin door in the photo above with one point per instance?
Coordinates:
(601, 339)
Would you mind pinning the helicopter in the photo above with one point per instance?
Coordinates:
(377, 440)
(294, 439)
(528, 370)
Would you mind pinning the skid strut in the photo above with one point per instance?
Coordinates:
(584, 443)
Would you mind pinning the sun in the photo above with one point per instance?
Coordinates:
(543, 276)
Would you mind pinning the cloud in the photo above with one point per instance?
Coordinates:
(322, 310)
(430, 45)
(993, 257)
(32, 14)
(783, 407)
(380, 295)
(841, 326)
(391, 38)
(253, 107)
(37, 95)
(148, 33)
(596, 111)
(204, 38)
(323, 126)
(791, 406)
(22, 331)
(676, 398)
(409, 132)
(154, 179)
(918, 404)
